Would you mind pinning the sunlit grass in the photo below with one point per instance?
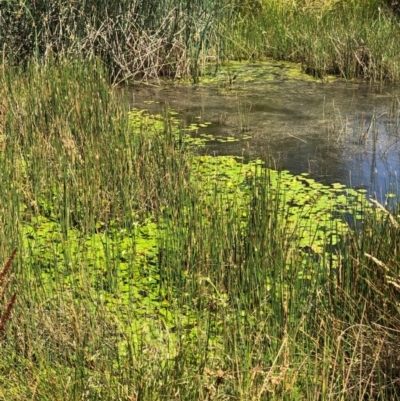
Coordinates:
(146, 272)
(346, 38)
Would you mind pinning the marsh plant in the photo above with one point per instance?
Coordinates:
(147, 272)
(145, 39)
(346, 38)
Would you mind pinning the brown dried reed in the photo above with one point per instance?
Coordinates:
(9, 305)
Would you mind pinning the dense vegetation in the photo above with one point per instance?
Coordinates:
(135, 269)
(145, 272)
(174, 38)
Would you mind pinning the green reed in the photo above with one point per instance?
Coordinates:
(349, 39)
(72, 167)
(144, 271)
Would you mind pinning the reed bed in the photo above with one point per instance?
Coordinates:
(134, 39)
(350, 39)
(176, 38)
(142, 274)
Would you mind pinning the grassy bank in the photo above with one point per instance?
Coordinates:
(144, 272)
(175, 38)
(352, 39)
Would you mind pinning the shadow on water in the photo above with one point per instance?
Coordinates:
(337, 132)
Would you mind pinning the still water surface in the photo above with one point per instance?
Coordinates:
(337, 132)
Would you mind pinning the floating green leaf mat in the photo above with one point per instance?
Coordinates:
(234, 75)
(310, 210)
(190, 136)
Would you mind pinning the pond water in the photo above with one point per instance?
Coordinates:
(337, 132)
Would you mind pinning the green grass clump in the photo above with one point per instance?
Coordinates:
(145, 271)
(351, 39)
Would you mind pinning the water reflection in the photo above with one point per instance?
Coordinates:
(338, 132)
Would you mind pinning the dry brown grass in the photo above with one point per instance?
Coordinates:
(7, 305)
(311, 5)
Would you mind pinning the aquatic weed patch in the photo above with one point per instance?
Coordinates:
(251, 230)
(191, 136)
(118, 269)
(313, 212)
(234, 74)
(108, 259)
(155, 124)
(122, 268)
(312, 219)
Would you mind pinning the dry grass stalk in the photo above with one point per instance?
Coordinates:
(393, 221)
(6, 315)
(10, 304)
(7, 266)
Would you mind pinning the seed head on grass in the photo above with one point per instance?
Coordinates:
(10, 304)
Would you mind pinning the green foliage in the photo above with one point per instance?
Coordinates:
(177, 38)
(346, 38)
(147, 271)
